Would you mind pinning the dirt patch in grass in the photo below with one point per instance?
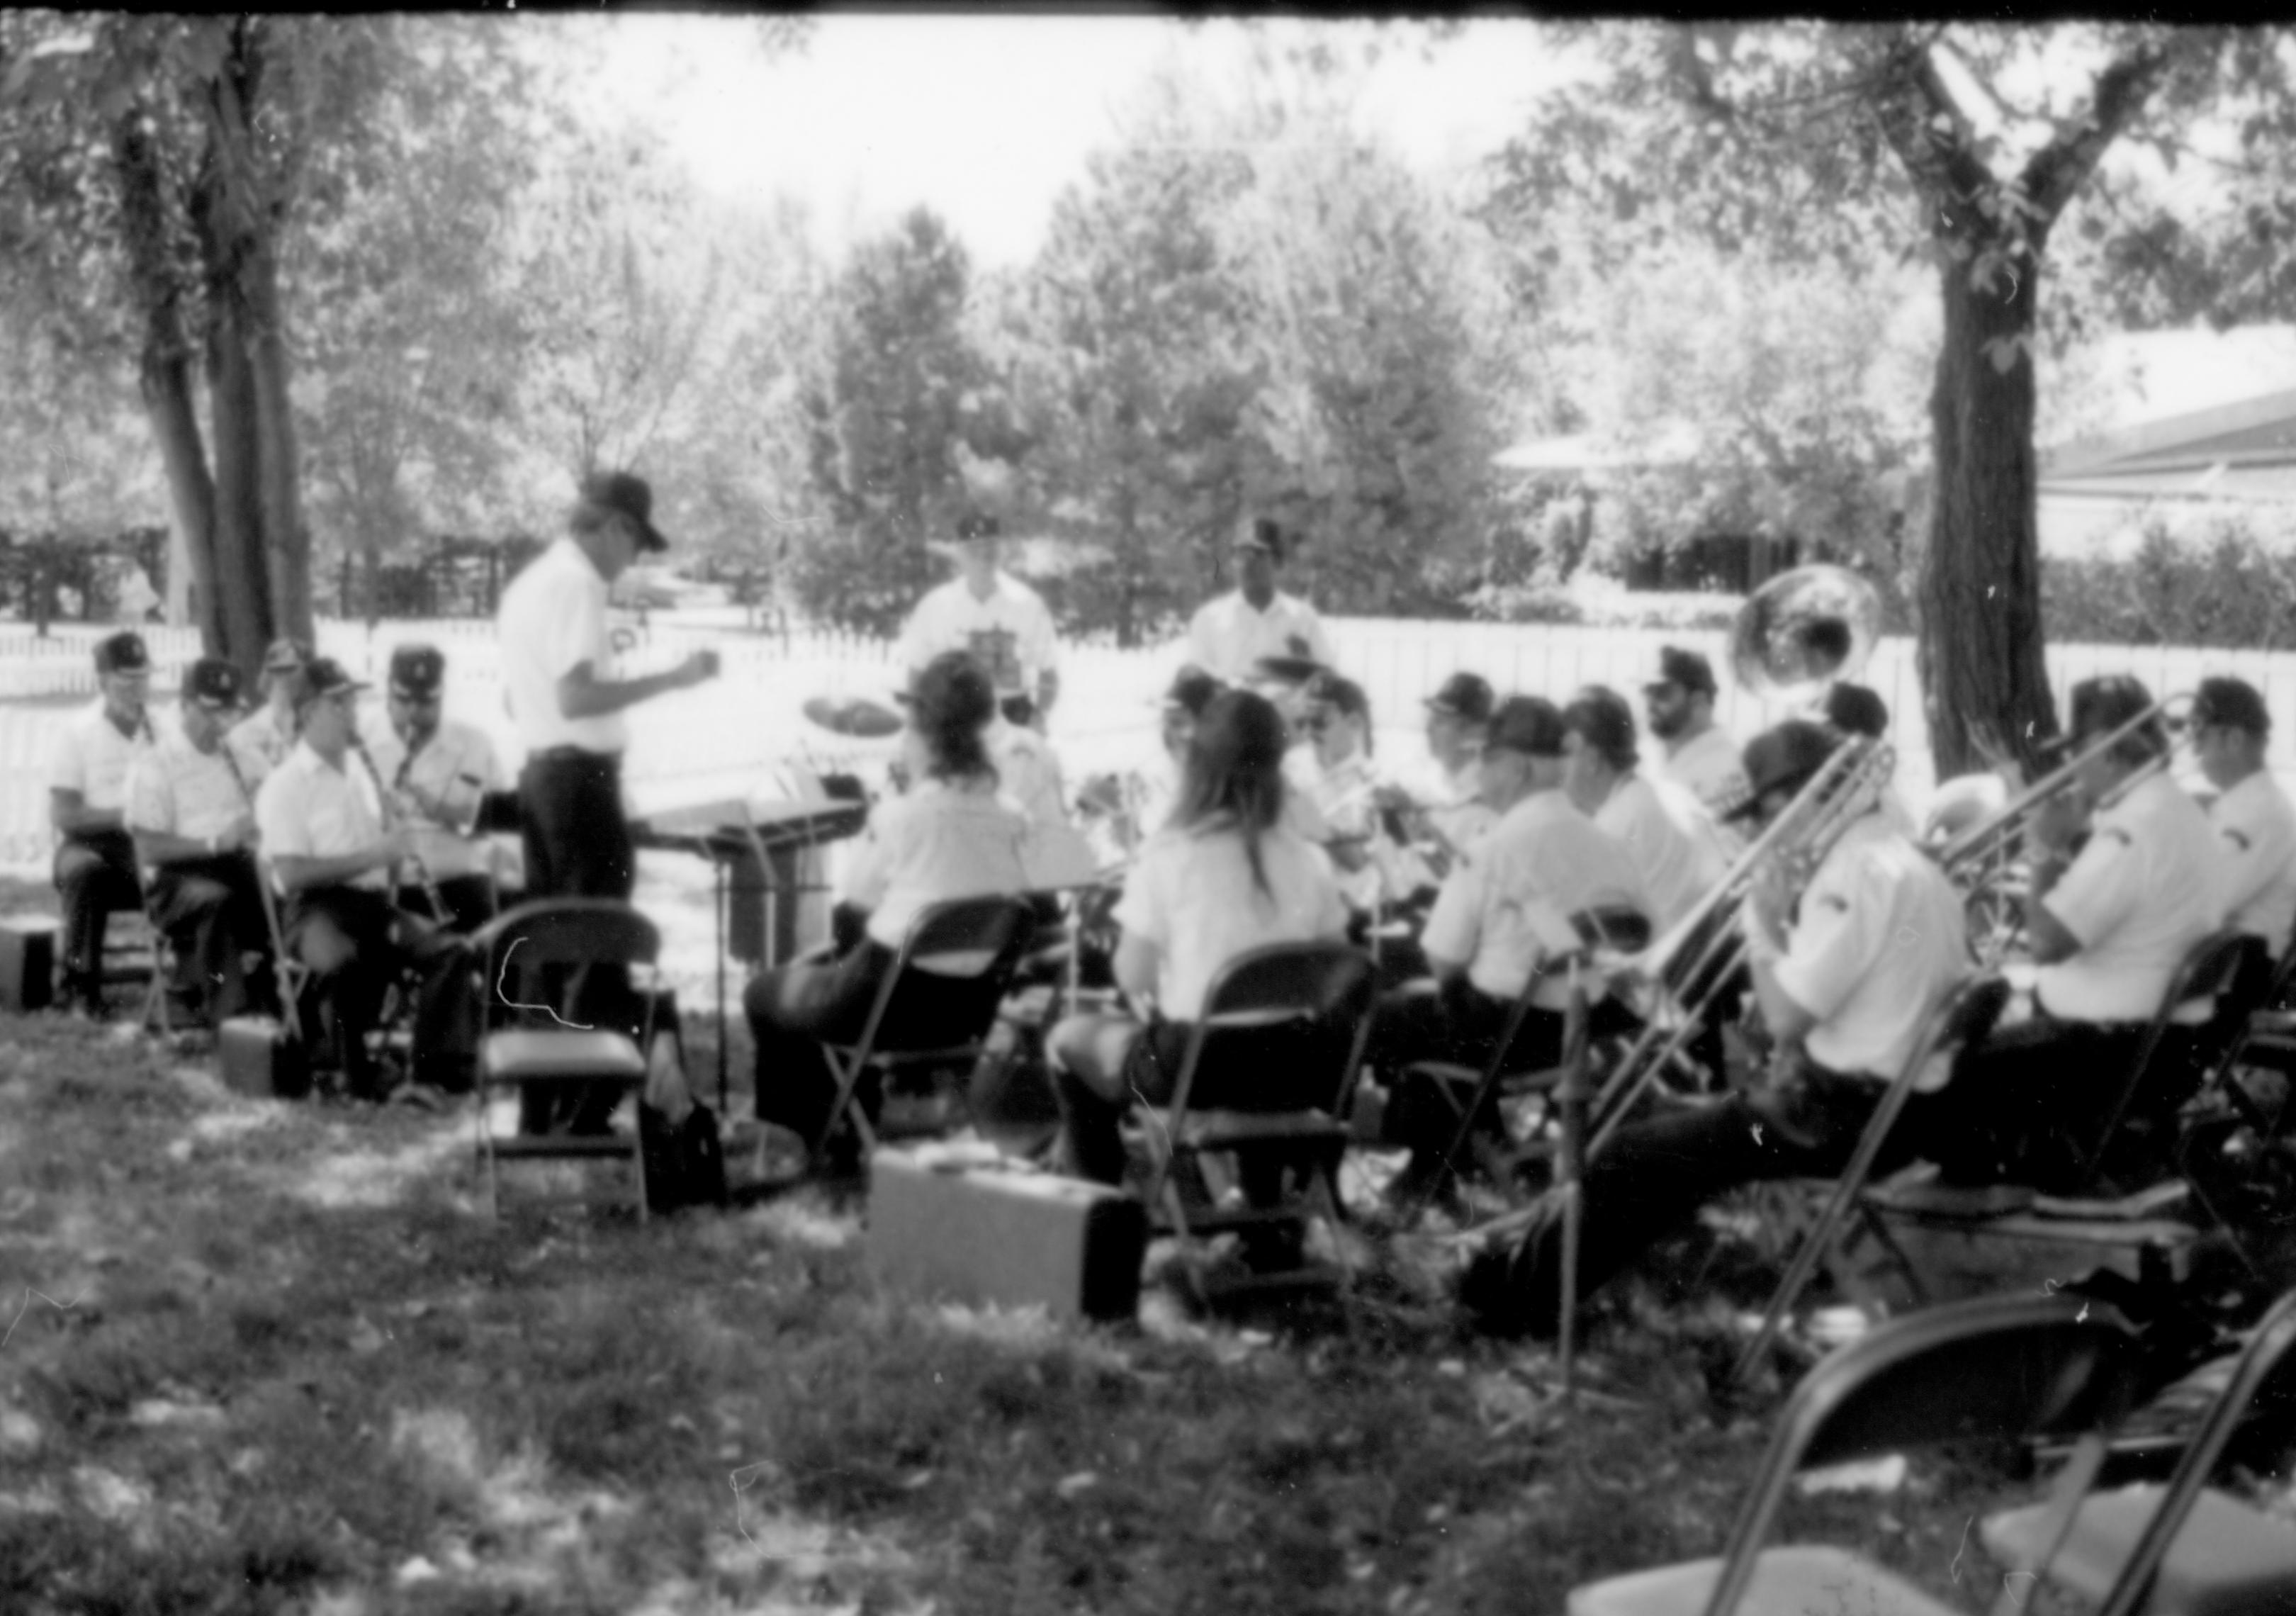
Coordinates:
(262, 1357)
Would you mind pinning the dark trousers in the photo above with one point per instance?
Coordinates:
(96, 874)
(1455, 1021)
(578, 845)
(212, 914)
(794, 1009)
(2040, 1092)
(350, 990)
(1653, 1175)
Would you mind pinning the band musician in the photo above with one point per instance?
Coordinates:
(438, 770)
(192, 811)
(1700, 755)
(260, 741)
(1667, 831)
(320, 819)
(999, 620)
(1230, 636)
(87, 795)
(2254, 821)
(2110, 925)
(1542, 862)
(1846, 972)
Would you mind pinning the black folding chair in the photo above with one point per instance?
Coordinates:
(1298, 1013)
(2182, 1548)
(1991, 1371)
(2210, 972)
(525, 1045)
(1961, 1018)
(953, 970)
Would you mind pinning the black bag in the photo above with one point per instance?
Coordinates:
(685, 1165)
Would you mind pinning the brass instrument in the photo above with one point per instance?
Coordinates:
(1803, 631)
(1989, 842)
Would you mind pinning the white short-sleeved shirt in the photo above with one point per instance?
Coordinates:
(1160, 795)
(178, 790)
(92, 757)
(1542, 863)
(933, 844)
(1010, 632)
(1711, 770)
(458, 764)
(260, 741)
(2144, 890)
(553, 619)
(1878, 941)
(1677, 868)
(1028, 773)
(1192, 895)
(1343, 795)
(1226, 636)
(308, 808)
(2255, 844)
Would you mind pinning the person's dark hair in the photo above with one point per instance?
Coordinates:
(1600, 718)
(950, 706)
(1346, 698)
(1235, 773)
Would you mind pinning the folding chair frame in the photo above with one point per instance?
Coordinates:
(2209, 970)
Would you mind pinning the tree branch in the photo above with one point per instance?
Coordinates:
(2058, 170)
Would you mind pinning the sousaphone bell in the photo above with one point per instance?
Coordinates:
(1803, 631)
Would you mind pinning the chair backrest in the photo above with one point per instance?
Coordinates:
(569, 931)
(2257, 1366)
(2000, 1368)
(1309, 987)
(2209, 970)
(976, 942)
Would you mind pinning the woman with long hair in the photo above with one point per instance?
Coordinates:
(947, 837)
(1223, 875)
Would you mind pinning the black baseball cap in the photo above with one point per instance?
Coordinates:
(1465, 695)
(122, 652)
(1526, 724)
(1263, 533)
(212, 683)
(1783, 758)
(1687, 668)
(1855, 710)
(2235, 703)
(417, 672)
(325, 677)
(1599, 716)
(626, 495)
(1193, 690)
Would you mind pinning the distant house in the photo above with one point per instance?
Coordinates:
(2193, 424)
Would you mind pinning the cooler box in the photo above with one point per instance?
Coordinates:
(259, 1059)
(952, 1224)
(27, 962)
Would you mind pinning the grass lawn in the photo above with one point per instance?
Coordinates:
(261, 1356)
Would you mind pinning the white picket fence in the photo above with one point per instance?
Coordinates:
(723, 738)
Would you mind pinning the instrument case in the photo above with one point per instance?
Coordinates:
(27, 962)
(259, 1058)
(949, 1227)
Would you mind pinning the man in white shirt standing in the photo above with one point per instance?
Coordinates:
(438, 770)
(192, 814)
(1229, 637)
(567, 702)
(1700, 754)
(87, 792)
(996, 616)
(2254, 821)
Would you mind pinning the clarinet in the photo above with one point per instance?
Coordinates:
(421, 870)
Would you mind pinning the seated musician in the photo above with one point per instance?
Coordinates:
(1224, 876)
(1446, 815)
(88, 791)
(948, 837)
(1852, 710)
(2255, 823)
(1666, 829)
(193, 816)
(1027, 772)
(1343, 785)
(261, 741)
(439, 770)
(1542, 862)
(319, 819)
(2110, 926)
(1700, 757)
(1193, 691)
(1846, 972)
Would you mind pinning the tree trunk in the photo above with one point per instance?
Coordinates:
(243, 588)
(166, 388)
(287, 543)
(1980, 661)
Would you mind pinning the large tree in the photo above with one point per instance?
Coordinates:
(1969, 144)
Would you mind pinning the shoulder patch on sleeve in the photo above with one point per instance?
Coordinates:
(1833, 901)
(2238, 838)
(2114, 836)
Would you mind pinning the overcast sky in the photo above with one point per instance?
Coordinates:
(986, 118)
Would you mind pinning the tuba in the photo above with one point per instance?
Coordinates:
(1803, 631)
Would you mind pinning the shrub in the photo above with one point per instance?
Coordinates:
(2220, 581)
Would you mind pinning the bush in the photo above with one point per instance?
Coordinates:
(2222, 581)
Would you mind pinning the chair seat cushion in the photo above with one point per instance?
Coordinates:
(2228, 1560)
(1788, 1581)
(526, 1055)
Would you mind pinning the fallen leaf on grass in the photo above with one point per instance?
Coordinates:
(1082, 1482)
